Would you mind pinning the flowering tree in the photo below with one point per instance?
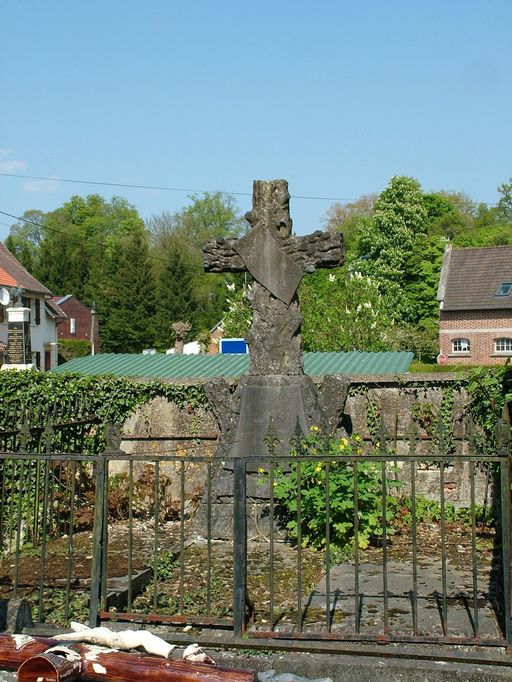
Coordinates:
(343, 311)
(387, 242)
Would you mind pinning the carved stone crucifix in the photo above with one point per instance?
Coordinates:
(277, 261)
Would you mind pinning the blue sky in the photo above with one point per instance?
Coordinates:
(334, 96)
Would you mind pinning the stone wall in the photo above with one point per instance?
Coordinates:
(160, 427)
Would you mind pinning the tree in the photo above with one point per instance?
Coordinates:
(175, 295)
(387, 241)
(348, 218)
(80, 240)
(504, 205)
(128, 310)
(24, 240)
(343, 311)
(187, 230)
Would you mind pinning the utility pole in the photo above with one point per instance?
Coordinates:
(93, 328)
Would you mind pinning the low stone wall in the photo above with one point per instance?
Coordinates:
(160, 427)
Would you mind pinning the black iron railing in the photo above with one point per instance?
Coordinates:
(363, 544)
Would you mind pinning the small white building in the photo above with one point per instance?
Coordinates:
(44, 313)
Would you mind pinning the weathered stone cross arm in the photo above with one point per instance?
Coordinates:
(316, 250)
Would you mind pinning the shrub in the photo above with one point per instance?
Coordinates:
(333, 466)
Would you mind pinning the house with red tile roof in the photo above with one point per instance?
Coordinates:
(475, 301)
(44, 313)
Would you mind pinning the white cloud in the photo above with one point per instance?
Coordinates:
(8, 165)
(51, 185)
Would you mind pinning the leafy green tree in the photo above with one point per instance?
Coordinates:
(187, 230)
(504, 205)
(348, 218)
(127, 312)
(79, 241)
(176, 298)
(24, 239)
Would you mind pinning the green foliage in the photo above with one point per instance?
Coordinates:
(127, 320)
(25, 237)
(343, 311)
(429, 511)
(73, 348)
(237, 318)
(186, 231)
(310, 476)
(489, 389)
(111, 399)
(504, 205)
(387, 241)
(348, 219)
(79, 241)
(176, 298)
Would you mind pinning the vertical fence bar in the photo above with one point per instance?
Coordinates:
(104, 577)
(209, 541)
(299, 545)
(474, 565)
(44, 530)
(239, 545)
(98, 558)
(382, 451)
(271, 547)
(19, 511)
(328, 615)
(357, 605)
(414, 530)
(443, 549)
(130, 536)
(69, 567)
(505, 542)
(413, 442)
(385, 546)
(182, 536)
(156, 541)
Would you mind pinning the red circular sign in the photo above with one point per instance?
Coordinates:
(442, 359)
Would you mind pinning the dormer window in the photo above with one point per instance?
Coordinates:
(504, 289)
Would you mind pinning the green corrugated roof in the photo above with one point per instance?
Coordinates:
(162, 366)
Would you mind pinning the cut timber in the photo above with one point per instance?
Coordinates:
(98, 665)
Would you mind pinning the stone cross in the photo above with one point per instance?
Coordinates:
(277, 261)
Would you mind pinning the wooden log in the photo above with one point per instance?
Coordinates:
(113, 666)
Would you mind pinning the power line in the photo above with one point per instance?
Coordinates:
(156, 187)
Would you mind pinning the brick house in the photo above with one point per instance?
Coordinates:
(80, 320)
(475, 296)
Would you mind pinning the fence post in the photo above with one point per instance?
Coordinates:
(239, 546)
(504, 451)
(98, 554)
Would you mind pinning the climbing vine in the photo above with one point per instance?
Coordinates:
(30, 395)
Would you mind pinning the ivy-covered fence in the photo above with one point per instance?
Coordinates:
(33, 398)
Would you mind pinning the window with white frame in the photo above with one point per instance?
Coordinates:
(460, 345)
(72, 325)
(503, 345)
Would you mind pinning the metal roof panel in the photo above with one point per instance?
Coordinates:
(161, 366)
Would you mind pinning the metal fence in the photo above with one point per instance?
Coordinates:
(360, 544)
